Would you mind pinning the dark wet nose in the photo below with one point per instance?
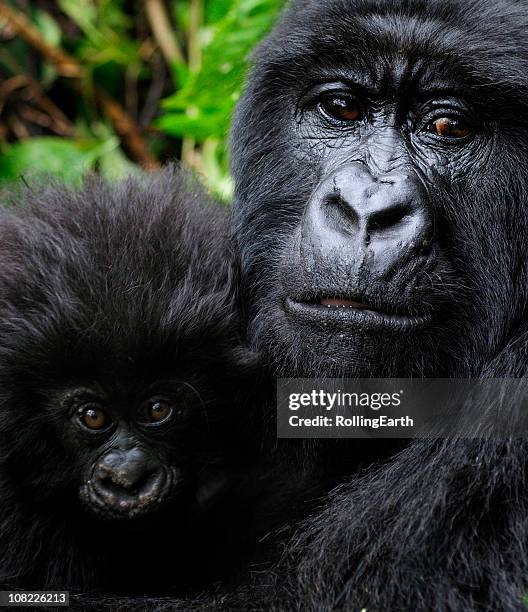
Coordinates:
(354, 211)
(127, 471)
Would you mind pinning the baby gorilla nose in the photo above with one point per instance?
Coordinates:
(127, 483)
(130, 469)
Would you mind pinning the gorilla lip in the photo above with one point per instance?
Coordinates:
(347, 312)
(130, 505)
(342, 303)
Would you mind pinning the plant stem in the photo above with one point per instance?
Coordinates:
(195, 60)
(163, 31)
(68, 66)
(65, 64)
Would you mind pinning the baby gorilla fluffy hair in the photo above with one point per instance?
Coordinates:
(118, 358)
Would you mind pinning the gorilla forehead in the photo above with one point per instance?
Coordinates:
(483, 41)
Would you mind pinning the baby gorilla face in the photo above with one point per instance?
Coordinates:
(127, 458)
(120, 372)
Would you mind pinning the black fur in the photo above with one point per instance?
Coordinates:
(440, 525)
(120, 287)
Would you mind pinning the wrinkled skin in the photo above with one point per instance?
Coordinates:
(379, 162)
(380, 158)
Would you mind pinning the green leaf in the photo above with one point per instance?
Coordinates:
(83, 13)
(215, 10)
(202, 108)
(65, 159)
(48, 27)
(106, 27)
(114, 165)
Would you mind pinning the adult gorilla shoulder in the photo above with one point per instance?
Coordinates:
(120, 368)
(380, 157)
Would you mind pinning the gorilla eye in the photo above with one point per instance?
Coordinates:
(341, 107)
(156, 411)
(449, 127)
(159, 411)
(93, 417)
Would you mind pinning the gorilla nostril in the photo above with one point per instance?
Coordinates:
(388, 217)
(340, 207)
(334, 199)
(126, 471)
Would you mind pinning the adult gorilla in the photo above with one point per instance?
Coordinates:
(381, 162)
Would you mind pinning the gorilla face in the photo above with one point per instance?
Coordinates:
(121, 380)
(379, 210)
(118, 356)
(129, 463)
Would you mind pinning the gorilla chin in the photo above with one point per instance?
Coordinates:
(358, 346)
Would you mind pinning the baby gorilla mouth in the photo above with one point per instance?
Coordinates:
(128, 484)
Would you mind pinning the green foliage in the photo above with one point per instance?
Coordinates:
(56, 125)
(203, 106)
(56, 156)
(64, 158)
(106, 32)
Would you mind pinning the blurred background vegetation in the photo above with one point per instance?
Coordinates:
(113, 85)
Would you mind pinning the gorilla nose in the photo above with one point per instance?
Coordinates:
(354, 211)
(128, 471)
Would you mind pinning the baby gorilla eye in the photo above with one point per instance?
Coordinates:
(93, 417)
(156, 411)
(159, 411)
(341, 106)
(449, 127)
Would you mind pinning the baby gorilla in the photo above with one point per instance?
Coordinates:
(119, 359)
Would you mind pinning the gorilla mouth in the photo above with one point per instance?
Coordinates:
(342, 303)
(345, 312)
(114, 503)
